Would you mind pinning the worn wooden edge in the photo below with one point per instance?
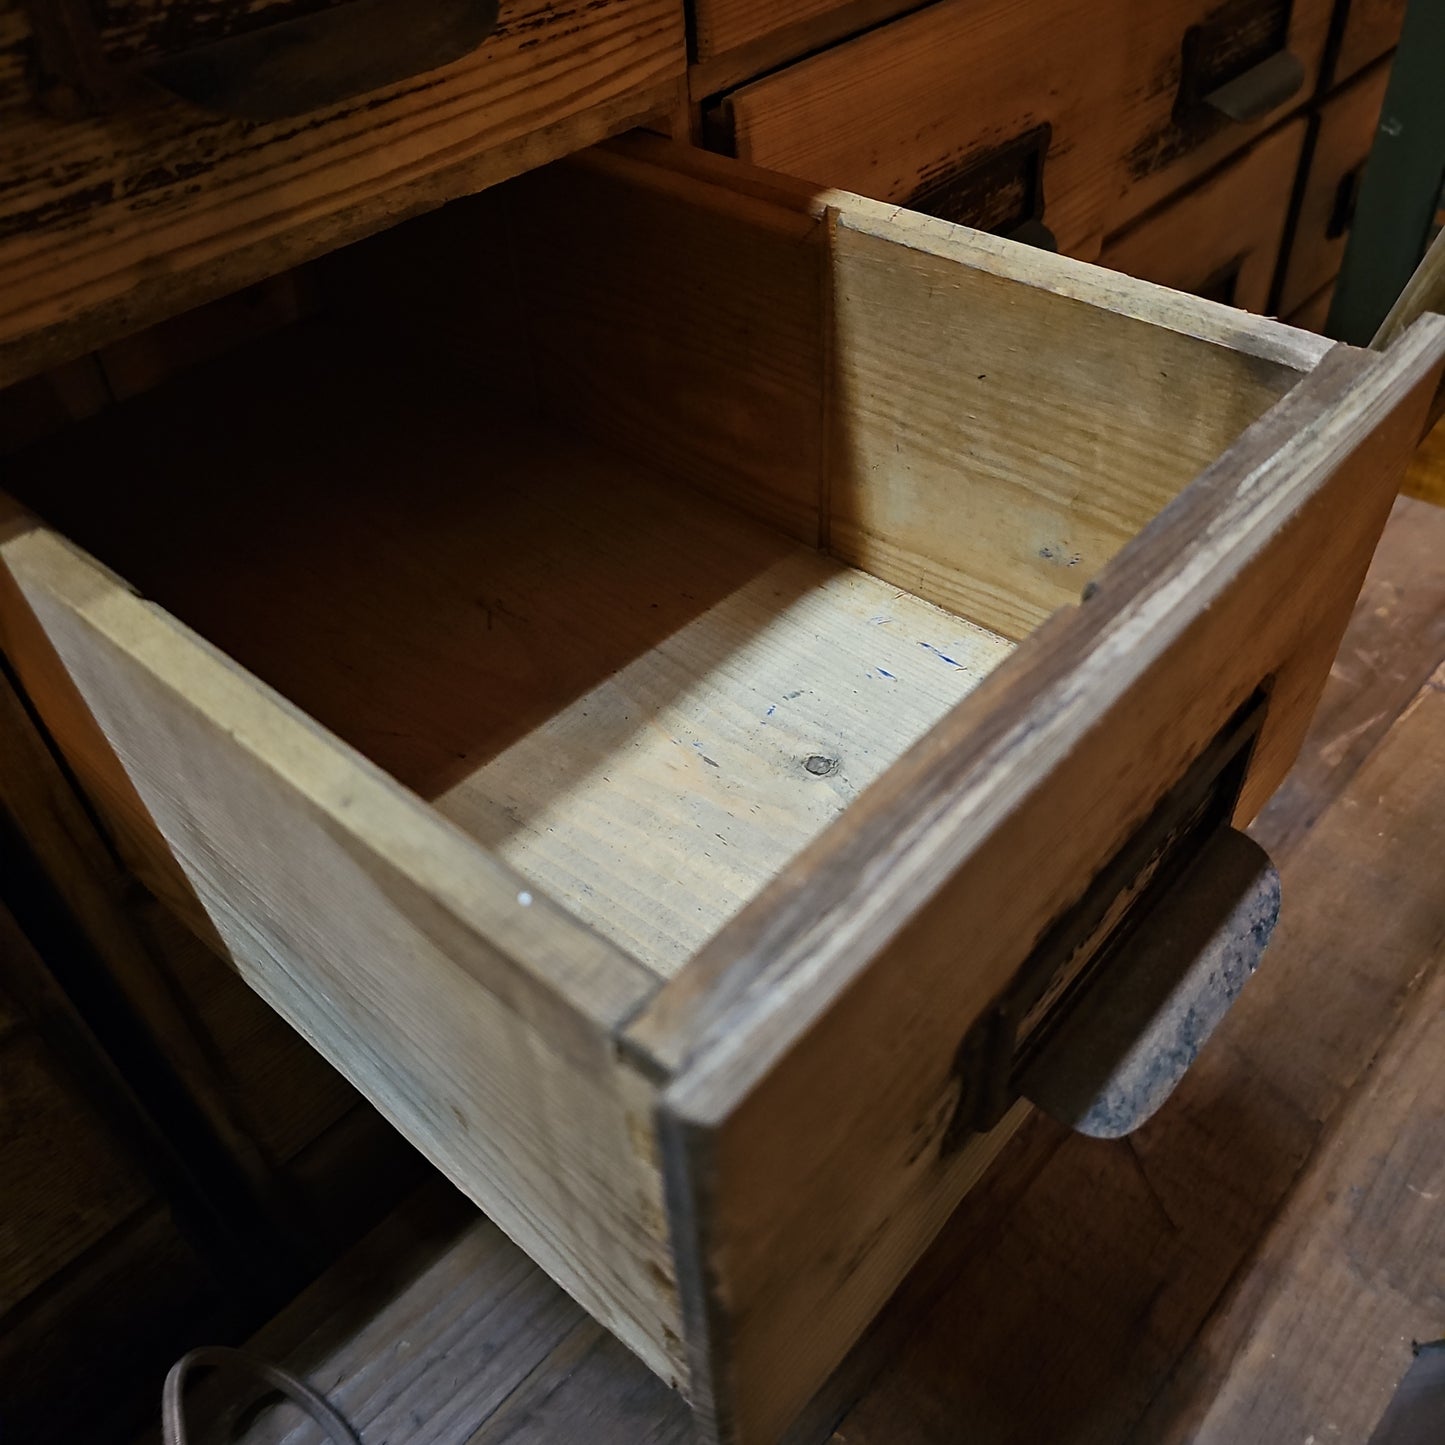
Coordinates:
(742, 185)
(737, 1007)
(538, 958)
(1208, 321)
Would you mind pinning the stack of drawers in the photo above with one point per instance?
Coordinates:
(1173, 141)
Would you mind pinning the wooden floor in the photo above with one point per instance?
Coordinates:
(1250, 1267)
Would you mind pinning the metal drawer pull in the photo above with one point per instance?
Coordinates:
(1261, 89)
(269, 73)
(1119, 1054)
(999, 189)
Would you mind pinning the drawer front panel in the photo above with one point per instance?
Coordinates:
(113, 220)
(978, 114)
(1204, 79)
(1372, 29)
(812, 1147)
(1342, 146)
(1313, 315)
(1222, 239)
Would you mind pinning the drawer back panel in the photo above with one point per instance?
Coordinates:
(979, 422)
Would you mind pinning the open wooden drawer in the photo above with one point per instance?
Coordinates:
(639, 677)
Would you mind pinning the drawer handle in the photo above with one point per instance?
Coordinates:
(1076, 1027)
(999, 190)
(1261, 89)
(270, 73)
(1124, 1049)
(1235, 66)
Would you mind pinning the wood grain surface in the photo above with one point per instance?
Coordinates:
(900, 111)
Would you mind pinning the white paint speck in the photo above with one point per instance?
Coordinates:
(525, 899)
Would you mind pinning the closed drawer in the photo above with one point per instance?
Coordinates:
(1371, 29)
(154, 203)
(1204, 79)
(638, 720)
(1345, 133)
(1222, 239)
(976, 113)
(1314, 314)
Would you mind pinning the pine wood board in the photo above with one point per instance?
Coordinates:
(1062, 428)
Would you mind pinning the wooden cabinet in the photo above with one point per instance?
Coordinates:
(979, 114)
(1220, 240)
(155, 204)
(1344, 133)
(1204, 80)
(637, 723)
(1173, 138)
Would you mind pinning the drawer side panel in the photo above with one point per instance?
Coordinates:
(474, 1015)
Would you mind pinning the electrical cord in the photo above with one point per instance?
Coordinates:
(173, 1423)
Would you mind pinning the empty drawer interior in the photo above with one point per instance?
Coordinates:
(638, 523)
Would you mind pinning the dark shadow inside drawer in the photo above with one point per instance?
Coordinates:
(638, 526)
(623, 686)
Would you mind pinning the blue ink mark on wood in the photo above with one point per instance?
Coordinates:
(941, 656)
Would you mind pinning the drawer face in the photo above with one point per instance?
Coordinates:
(635, 722)
(978, 114)
(1372, 28)
(110, 221)
(1222, 239)
(1313, 315)
(1346, 132)
(722, 26)
(1179, 120)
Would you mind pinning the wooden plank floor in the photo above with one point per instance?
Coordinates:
(1251, 1266)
